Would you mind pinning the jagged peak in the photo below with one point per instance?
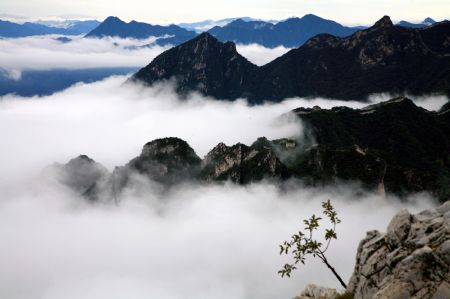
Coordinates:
(206, 40)
(383, 22)
(205, 36)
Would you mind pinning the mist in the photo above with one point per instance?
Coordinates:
(46, 53)
(260, 55)
(194, 241)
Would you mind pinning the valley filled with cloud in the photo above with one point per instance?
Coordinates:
(192, 241)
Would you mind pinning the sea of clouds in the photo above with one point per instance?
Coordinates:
(46, 53)
(195, 241)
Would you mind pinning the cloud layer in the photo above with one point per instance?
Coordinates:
(45, 52)
(195, 242)
(192, 242)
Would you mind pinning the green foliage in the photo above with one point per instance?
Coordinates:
(303, 244)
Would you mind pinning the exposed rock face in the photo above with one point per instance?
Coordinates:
(315, 292)
(167, 160)
(243, 164)
(410, 260)
(382, 58)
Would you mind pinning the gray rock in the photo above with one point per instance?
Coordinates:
(398, 228)
(315, 292)
(412, 260)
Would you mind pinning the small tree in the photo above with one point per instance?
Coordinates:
(303, 244)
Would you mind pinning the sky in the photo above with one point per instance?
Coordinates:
(176, 11)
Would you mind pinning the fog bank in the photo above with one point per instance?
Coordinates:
(191, 242)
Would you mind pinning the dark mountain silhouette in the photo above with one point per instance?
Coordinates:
(113, 26)
(289, 33)
(382, 58)
(407, 144)
(9, 29)
(203, 63)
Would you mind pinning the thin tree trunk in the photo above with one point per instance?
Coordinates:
(324, 259)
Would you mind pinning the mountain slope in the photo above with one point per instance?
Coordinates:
(205, 64)
(113, 26)
(410, 142)
(382, 58)
(290, 33)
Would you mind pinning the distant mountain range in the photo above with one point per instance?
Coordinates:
(290, 33)
(9, 29)
(425, 23)
(205, 25)
(382, 58)
(113, 26)
(394, 147)
(46, 82)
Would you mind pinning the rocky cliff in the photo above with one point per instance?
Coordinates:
(410, 260)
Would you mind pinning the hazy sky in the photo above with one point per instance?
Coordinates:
(174, 11)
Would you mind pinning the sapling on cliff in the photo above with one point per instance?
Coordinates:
(303, 244)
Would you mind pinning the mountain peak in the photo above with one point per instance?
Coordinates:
(112, 19)
(429, 21)
(205, 36)
(311, 17)
(384, 22)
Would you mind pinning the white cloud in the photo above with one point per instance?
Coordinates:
(111, 122)
(14, 74)
(45, 52)
(195, 242)
(192, 242)
(260, 55)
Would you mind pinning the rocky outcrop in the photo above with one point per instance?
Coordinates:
(243, 164)
(382, 58)
(410, 260)
(315, 292)
(167, 160)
